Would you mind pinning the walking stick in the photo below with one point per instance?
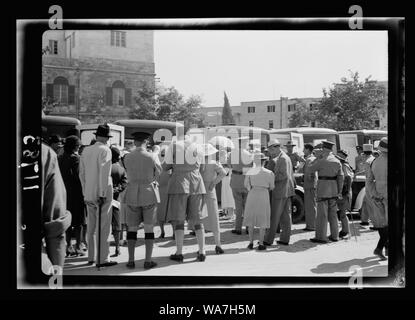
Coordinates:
(99, 235)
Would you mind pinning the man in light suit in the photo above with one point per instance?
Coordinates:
(141, 196)
(281, 195)
(95, 176)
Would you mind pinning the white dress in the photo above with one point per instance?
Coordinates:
(259, 181)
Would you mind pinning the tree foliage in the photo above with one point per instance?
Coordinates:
(348, 105)
(167, 104)
(227, 117)
(301, 116)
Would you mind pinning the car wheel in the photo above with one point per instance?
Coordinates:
(297, 209)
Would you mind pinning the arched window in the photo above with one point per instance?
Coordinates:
(60, 90)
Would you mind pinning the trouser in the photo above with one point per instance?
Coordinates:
(343, 206)
(280, 214)
(92, 233)
(239, 196)
(383, 240)
(368, 206)
(310, 208)
(327, 212)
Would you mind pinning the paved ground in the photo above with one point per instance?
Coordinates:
(300, 258)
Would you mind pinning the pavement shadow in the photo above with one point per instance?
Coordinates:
(298, 246)
(344, 266)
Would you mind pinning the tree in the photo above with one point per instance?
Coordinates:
(167, 104)
(227, 117)
(348, 105)
(301, 116)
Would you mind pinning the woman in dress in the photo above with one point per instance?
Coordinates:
(227, 201)
(212, 173)
(259, 181)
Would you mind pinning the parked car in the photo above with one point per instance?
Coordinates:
(59, 125)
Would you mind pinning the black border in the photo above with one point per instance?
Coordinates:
(31, 124)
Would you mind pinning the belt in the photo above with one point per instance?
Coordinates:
(237, 172)
(327, 178)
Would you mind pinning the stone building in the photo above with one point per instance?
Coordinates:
(93, 75)
(267, 114)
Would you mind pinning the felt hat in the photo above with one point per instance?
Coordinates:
(290, 144)
(103, 130)
(328, 145)
(367, 147)
(274, 142)
(342, 155)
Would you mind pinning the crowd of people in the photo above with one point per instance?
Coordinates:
(99, 188)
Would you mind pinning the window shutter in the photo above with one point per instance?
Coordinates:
(49, 90)
(128, 97)
(71, 95)
(108, 96)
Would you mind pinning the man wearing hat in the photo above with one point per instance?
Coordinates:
(240, 161)
(377, 184)
(310, 186)
(329, 188)
(56, 143)
(367, 205)
(95, 175)
(280, 164)
(141, 196)
(345, 202)
(294, 156)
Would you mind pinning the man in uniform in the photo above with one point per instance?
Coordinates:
(377, 183)
(95, 176)
(294, 156)
(310, 185)
(345, 202)
(240, 161)
(329, 187)
(141, 197)
(367, 205)
(185, 190)
(281, 166)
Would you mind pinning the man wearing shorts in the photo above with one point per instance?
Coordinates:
(185, 190)
(141, 196)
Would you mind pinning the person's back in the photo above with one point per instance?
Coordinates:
(380, 172)
(328, 169)
(261, 177)
(138, 165)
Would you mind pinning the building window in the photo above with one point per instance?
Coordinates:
(377, 123)
(251, 123)
(118, 39)
(60, 90)
(271, 124)
(313, 124)
(312, 106)
(73, 39)
(251, 109)
(53, 46)
(291, 107)
(271, 108)
(118, 93)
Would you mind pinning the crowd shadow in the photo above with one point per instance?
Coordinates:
(345, 266)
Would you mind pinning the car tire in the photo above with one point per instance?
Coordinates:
(297, 209)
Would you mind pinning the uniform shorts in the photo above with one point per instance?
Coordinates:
(136, 215)
(183, 207)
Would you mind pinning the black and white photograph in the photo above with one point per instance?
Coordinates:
(192, 151)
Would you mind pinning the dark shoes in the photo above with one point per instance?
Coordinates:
(237, 231)
(315, 240)
(266, 243)
(250, 246)
(364, 223)
(107, 264)
(149, 264)
(201, 257)
(176, 257)
(91, 262)
(219, 250)
(343, 234)
(379, 253)
(262, 247)
(116, 254)
(70, 251)
(332, 239)
(282, 242)
(192, 233)
(131, 264)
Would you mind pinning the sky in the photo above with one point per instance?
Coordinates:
(264, 65)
